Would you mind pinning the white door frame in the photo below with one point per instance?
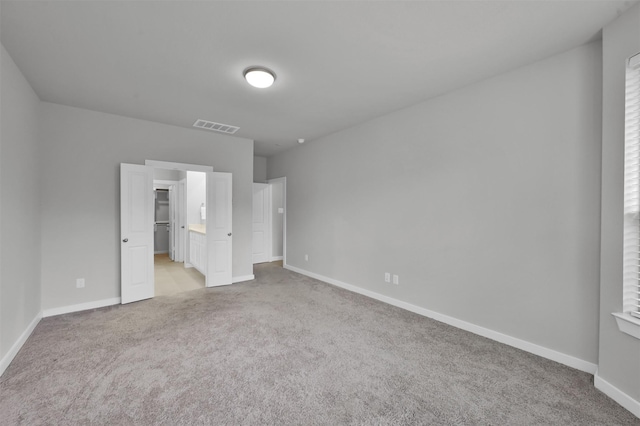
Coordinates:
(282, 180)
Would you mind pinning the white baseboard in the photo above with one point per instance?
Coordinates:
(243, 278)
(6, 360)
(80, 307)
(109, 302)
(276, 258)
(551, 354)
(617, 395)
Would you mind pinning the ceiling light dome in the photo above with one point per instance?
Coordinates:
(259, 77)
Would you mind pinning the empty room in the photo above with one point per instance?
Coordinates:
(320, 212)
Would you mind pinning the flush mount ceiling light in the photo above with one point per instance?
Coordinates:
(259, 77)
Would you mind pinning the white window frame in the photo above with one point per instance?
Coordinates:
(629, 319)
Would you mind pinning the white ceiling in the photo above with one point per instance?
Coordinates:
(338, 63)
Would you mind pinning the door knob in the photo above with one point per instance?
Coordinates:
(125, 240)
(229, 234)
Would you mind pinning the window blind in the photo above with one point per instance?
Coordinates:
(631, 265)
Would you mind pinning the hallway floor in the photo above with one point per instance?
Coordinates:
(173, 278)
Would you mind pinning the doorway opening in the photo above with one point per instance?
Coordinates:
(269, 222)
(180, 198)
(207, 248)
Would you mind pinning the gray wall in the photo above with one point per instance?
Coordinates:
(80, 159)
(196, 196)
(485, 202)
(619, 362)
(20, 296)
(259, 169)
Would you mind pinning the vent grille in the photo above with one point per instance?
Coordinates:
(216, 127)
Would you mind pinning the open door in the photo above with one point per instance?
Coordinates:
(261, 223)
(181, 224)
(172, 222)
(136, 232)
(219, 229)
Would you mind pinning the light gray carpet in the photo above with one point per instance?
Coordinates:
(284, 349)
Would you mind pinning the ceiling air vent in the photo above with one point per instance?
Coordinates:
(216, 127)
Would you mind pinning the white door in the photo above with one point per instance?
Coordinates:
(172, 223)
(219, 229)
(182, 221)
(278, 188)
(261, 223)
(136, 232)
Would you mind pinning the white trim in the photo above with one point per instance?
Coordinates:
(275, 258)
(617, 395)
(178, 166)
(242, 278)
(551, 354)
(628, 324)
(9, 356)
(80, 307)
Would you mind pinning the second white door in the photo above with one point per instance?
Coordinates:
(261, 223)
(136, 232)
(219, 245)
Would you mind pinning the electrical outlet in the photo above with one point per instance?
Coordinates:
(306, 257)
(396, 280)
(387, 277)
(80, 283)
